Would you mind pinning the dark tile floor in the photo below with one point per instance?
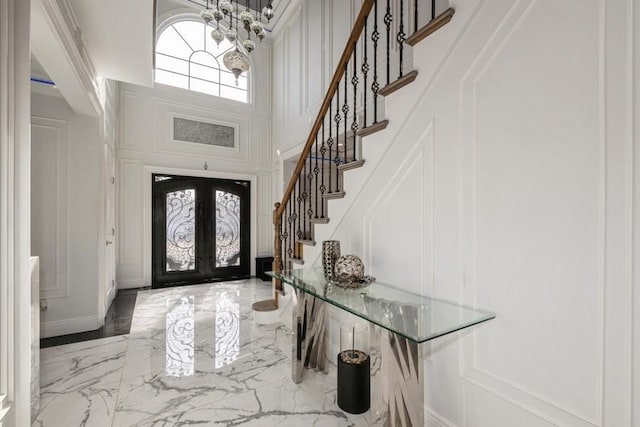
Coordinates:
(117, 321)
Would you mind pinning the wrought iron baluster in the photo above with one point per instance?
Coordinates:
(365, 71)
(309, 177)
(323, 187)
(298, 213)
(289, 233)
(345, 110)
(433, 9)
(388, 18)
(400, 38)
(292, 237)
(338, 119)
(330, 144)
(304, 203)
(316, 169)
(375, 85)
(354, 82)
(415, 16)
(278, 240)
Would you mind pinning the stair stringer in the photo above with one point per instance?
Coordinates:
(380, 148)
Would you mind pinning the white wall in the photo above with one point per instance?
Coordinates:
(67, 152)
(146, 144)
(305, 53)
(505, 180)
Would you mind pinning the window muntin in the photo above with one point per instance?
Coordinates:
(187, 57)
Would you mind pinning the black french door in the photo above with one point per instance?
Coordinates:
(200, 230)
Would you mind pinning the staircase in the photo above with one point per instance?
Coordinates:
(371, 68)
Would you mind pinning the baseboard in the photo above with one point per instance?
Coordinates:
(433, 419)
(131, 284)
(69, 326)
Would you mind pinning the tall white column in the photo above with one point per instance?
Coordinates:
(15, 208)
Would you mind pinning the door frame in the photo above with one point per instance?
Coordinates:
(109, 179)
(148, 172)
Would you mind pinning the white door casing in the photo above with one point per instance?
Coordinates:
(110, 287)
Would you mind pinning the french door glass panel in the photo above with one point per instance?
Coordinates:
(227, 229)
(181, 230)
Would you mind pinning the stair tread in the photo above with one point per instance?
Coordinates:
(319, 220)
(398, 84)
(307, 242)
(299, 261)
(351, 165)
(373, 128)
(435, 24)
(334, 195)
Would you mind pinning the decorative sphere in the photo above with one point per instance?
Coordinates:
(231, 35)
(256, 27)
(349, 268)
(218, 15)
(261, 34)
(206, 15)
(217, 35)
(249, 45)
(267, 12)
(225, 6)
(246, 18)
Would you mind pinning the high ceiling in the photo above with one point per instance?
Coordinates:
(119, 36)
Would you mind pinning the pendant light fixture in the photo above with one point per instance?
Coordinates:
(236, 60)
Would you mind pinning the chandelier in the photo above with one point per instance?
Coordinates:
(235, 60)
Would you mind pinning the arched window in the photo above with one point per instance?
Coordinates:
(187, 57)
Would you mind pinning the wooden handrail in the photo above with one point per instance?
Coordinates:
(358, 26)
(290, 220)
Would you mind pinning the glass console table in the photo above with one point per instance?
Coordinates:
(404, 320)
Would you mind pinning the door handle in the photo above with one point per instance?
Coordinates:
(109, 242)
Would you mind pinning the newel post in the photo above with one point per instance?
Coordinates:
(277, 249)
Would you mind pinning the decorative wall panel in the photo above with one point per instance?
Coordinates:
(203, 133)
(49, 203)
(508, 187)
(131, 131)
(130, 212)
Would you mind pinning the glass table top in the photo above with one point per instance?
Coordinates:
(415, 317)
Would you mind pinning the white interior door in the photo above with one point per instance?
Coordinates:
(110, 227)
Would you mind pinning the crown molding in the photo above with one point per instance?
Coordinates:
(63, 24)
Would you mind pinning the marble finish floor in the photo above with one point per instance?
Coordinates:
(194, 357)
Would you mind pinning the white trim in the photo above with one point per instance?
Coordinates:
(70, 326)
(58, 22)
(107, 290)
(149, 170)
(15, 209)
(131, 283)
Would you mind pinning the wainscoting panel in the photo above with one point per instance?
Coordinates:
(130, 212)
(525, 192)
(49, 204)
(131, 131)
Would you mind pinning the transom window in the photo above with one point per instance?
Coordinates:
(187, 57)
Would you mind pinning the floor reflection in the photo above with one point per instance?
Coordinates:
(227, 330)
(180, 324)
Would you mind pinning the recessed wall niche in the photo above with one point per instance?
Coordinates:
(203, 133)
